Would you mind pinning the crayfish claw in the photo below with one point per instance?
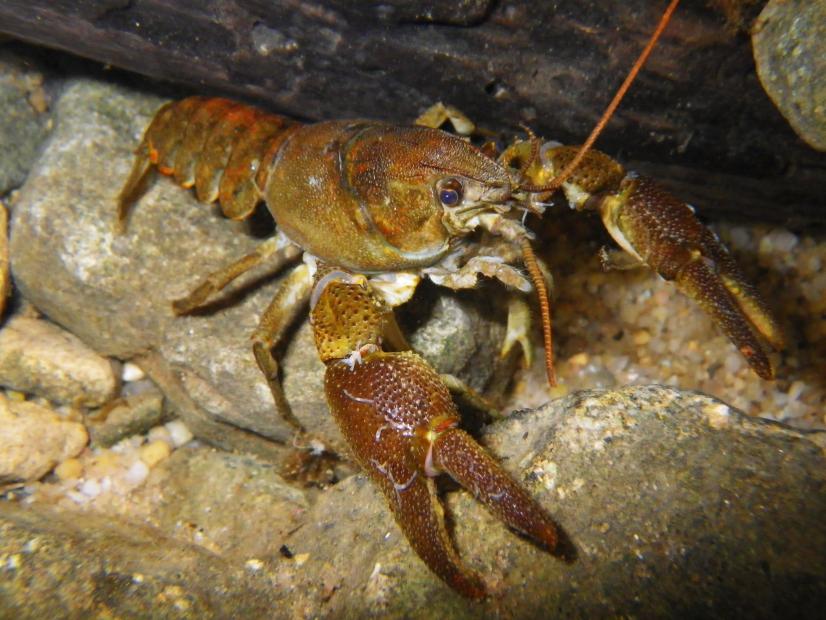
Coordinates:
(378, 405)
(664, 234)
(456, 453)
(401, 424)
(412, 498)
(700, 280)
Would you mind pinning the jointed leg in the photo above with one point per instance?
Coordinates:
(438, 114)
(216, 281)
(466, 395)
(288, 302)
(519, 328)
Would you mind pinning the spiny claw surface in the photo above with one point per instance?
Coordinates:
(379, 405)
(402, 425)
(663, 233)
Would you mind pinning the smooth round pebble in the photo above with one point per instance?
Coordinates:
(70, 469)
(154, 452)
(179, 433)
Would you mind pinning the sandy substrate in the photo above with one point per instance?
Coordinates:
(631, 327)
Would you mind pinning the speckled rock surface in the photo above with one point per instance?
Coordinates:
(675, 505)
(234, 505)
(25, 120)
(114, 292)
(789, 40)
(34, 439)
(56, 566)
(39, 358)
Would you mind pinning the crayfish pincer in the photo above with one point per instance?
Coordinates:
(403, 428)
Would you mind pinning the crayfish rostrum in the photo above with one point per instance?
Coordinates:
(372, 208)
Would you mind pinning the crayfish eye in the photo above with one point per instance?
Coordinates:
(450, 192)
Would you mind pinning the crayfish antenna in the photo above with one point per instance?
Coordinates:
(563, 176)
(538, 281)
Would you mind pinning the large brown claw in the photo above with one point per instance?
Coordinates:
(375, 404)
(401, 423)
(466, 461)
(663, 233)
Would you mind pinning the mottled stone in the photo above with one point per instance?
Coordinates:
(39, 358)
(789, 41)
(34, 439)
(25, 120)
(675, 504)
(234, 505)
(132, 415)
(55, 565)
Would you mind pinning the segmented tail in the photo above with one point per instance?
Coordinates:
(220, 147)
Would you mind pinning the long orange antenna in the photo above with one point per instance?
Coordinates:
(528, 256)
(538, 280)
(560, 178)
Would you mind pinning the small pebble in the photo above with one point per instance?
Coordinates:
(642, 337)
(159, 433)
(254, 565)
(132, 372)
(90, 488)
(153, 453)
(137, 473)
(179, 433)
(70, 469)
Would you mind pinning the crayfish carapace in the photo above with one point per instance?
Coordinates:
(372, 208)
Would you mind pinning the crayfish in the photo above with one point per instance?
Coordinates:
(372, 208)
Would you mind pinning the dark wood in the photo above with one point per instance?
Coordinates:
(698, 109)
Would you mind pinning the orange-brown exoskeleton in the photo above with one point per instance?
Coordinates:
(403, 428)
(382, 206)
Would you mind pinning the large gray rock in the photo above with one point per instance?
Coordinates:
(114, 292)
(675, 505)
(789, 40)
(25, 121)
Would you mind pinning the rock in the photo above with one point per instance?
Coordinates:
(789, 40)
(114, 292)
(34, 439)
(25, 121)
(675, 503)
(56, 565)
(5, 275)
(132, 415)
(40, 358)
(234, 505)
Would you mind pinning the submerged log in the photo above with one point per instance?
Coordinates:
(698, 109)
